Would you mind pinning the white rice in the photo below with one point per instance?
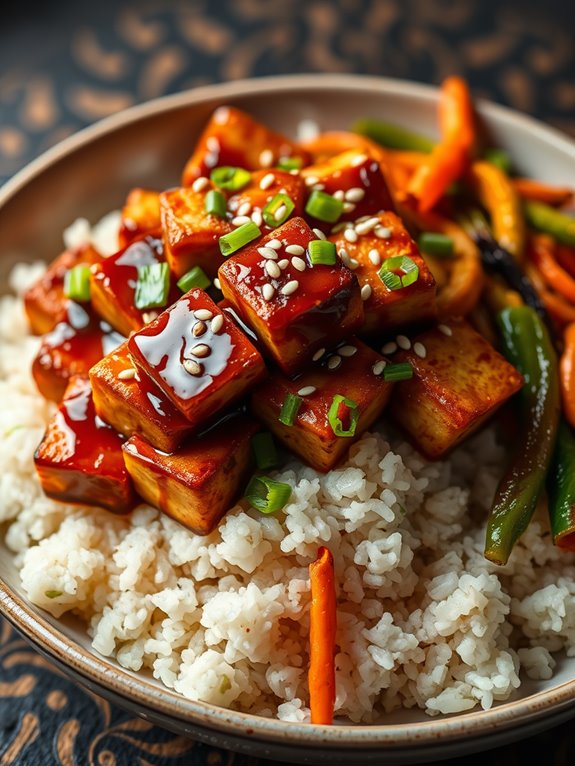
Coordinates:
(423, 619)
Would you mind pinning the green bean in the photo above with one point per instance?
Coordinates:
(393, 136)
(551, 221)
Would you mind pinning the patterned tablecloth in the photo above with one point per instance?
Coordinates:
(62, 68)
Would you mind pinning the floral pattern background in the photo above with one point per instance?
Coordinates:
(65, 64)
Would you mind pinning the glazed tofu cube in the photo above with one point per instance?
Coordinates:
(132, 404)
(80, 459)
(232, 137)
(113, 284)
(76, 343)
(353, 371)
(355, 179)
(45, 302)
(253, 198)
(459, 383)
(198, 484)
(140, 216)
(294, 307)
(197, 355)
(366, 251)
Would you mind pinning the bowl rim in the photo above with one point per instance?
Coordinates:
(98, 670)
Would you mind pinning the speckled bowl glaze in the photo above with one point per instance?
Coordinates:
(88, 175)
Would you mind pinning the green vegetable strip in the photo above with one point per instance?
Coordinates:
(341, 409)
(266, 495)
(527, 346)
(551, 221)
(290, 409)
(264, 450)
(561, 489)
(433, 243)
(499, 158)
(195, 277)
(393, 136)
(153, 286)
(77, 283)
(395, 372)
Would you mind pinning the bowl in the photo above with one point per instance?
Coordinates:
(88, 175)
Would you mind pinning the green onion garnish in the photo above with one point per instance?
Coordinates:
(236, 239)
(278, 210)
(399, 371)
(499, 158)
(230, 178)
(195, 277)
(266, 495)
(433, 243)
(290, 163)
(290, 409)
(343, 409)
(216, 204)
(321, 251)
(393, 136)
(324, 207)
(264, 449)
(408, 268)
(77, 283)
(153, 286)
(53, 593)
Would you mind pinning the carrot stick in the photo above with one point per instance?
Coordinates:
(560, 310)
(565, 256)
(322, 630)
(567, 374)
(456, 118)
(540, 192)
(543, 256)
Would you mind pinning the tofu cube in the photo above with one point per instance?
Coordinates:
(385, 308)
(197, 355)
(140, 216)
(199, 483)
(232, 137)
(80, 459)
(44, 301)
(353, 371)
(132, 404)
(294, 307)
(458, 384)
(113, 285)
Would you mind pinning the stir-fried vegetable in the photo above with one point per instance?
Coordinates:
(551, 221)
(322, 636)
(393, 136)
(567, 374)
(538, 191)
(561, 489)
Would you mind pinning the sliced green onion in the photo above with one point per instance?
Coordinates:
(153, 286)
(399, 371)
(236, 239)
(403, 263)
(266, 495)
(230, 178)
(393, 136)
(290, 163)
(264, 449)
(77, 283)
(324, 207)
(499, 158)
(321, 252)
(433, 243)
(53, 593)
(216, 204)
(290, 409)
(341, 408)
(195, 277)
(278, 210)
(225, 684)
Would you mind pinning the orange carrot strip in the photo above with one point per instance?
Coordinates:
(332, 142)
(559, 309)
(456, 116)
(540, 192)
(567, 374)
(543, 255)
(322, 629)
(565, 256)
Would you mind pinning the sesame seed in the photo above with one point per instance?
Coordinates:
(217, 284)
(192, 367)
(257, 217)
(298, 263)
(379, 367)
(350, 235)
(267, 181)
(200, 184)
(420, 350)
(283, 264)
(272, 269)
(290, 287)
(201, 350)
(217, 323)
(318, 187)
(374, 257)
(338, 227)
(280, 212)
(199, 329)
(353, 264)
(268, 291)
(203, 314)
(365, 292)
(245, 208)
(361, 219)
(343, 254)
(319, 233)
(239, 220)
(149, 316)
(275, 244)
(355, 194)
(127, 374)
(307, 390)
(294, 172)
(311, 180)
(318, 354)
(389, 348)
(445, 330)
(403, 342)
(266, 158)
(268, 252)
(359, 160)
(295, 250)
(338, 195)
(348, 207)
(333, 362)
(382, 232)
(347, 350)
(366, 226)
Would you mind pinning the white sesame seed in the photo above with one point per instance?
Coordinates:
(319, 233)
(217, 323)
(365, 292)
(382, 232)
(294, 172)
(445, 330)
(245, 208)
(359, 160)
(217, 284)
(347, 350)
(298, 263)
(379, 367)
(343, 254)
(333, 362)
(338, 227)
(361, 219)
(239, 220)
(199, 329)
(374, 257)
(353, 264)
(403, 342)
(307, 390)
(290, 287)
(348, 207)
(318, 354)
(283, 264)
(339, 194)
(355, 194)
(366, 226)
(192, 367)
(266, 158)
(201, 350)
(127, 374)
(268, 291)
(272, 269)
(311, 180)
(318, 187)
(257, 217)
(268, 252)
(350, 235)
(389, 348)
(203, 314)
(149, 316)
(267, 181)
(295, 250)
(200, 184)
(275, 244)
(280, 212)
(420, 350)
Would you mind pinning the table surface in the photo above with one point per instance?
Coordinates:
(62, 68)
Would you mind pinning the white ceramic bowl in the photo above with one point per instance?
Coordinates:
(89, 174)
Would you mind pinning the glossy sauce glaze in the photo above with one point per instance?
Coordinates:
(140, 216)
